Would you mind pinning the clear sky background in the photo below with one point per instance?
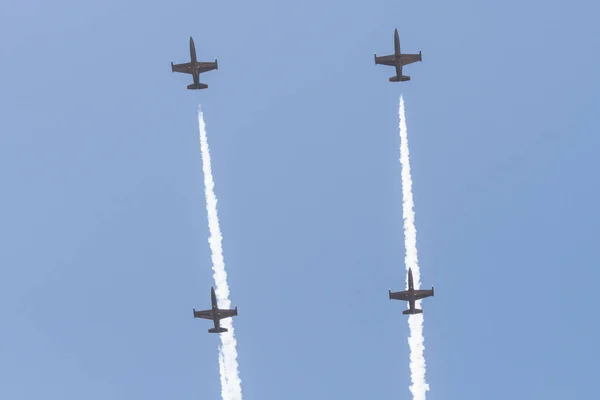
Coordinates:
(103, 222)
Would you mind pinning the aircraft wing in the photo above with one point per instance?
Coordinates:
(421, 294)
(399, 295)
(406, 59)
(206, 314)
(206, 66)
(185, 68)
(228, 313)
(386, 60)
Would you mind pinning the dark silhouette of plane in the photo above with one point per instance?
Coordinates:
(398, 60)
(195, 68)
(215, 313)
(411, 295)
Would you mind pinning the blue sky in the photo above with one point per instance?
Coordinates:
(103, 216)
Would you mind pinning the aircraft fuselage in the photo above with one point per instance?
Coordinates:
(213, 299)
(194, 61)
(397, 47)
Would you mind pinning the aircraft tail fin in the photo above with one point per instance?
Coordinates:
(401, 78)
(217, 330)
(414, 311)
(198, 86)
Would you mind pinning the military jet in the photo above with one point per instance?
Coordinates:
(398, 60)
(195, 68)
(215, 313)
(411, 295)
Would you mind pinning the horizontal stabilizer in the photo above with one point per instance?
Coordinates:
(413, 311)
(198, 86)
(217, 330)
(401, 78)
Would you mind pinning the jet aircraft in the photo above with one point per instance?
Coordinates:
(215, 313)
(398, 60)
(194, 67)
(411, 295)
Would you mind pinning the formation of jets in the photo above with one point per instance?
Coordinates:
(396, 60)
(411, 295)
(195, 67)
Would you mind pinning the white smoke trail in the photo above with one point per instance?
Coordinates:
(231, 388)
(415, 322)
(222, 376)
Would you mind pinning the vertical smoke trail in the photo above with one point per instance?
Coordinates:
(228, 366)
(415, 322)
(222, 376)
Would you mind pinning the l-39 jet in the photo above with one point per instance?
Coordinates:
(195, 68)
(411, 295)
(215, 313)
(398, 60)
